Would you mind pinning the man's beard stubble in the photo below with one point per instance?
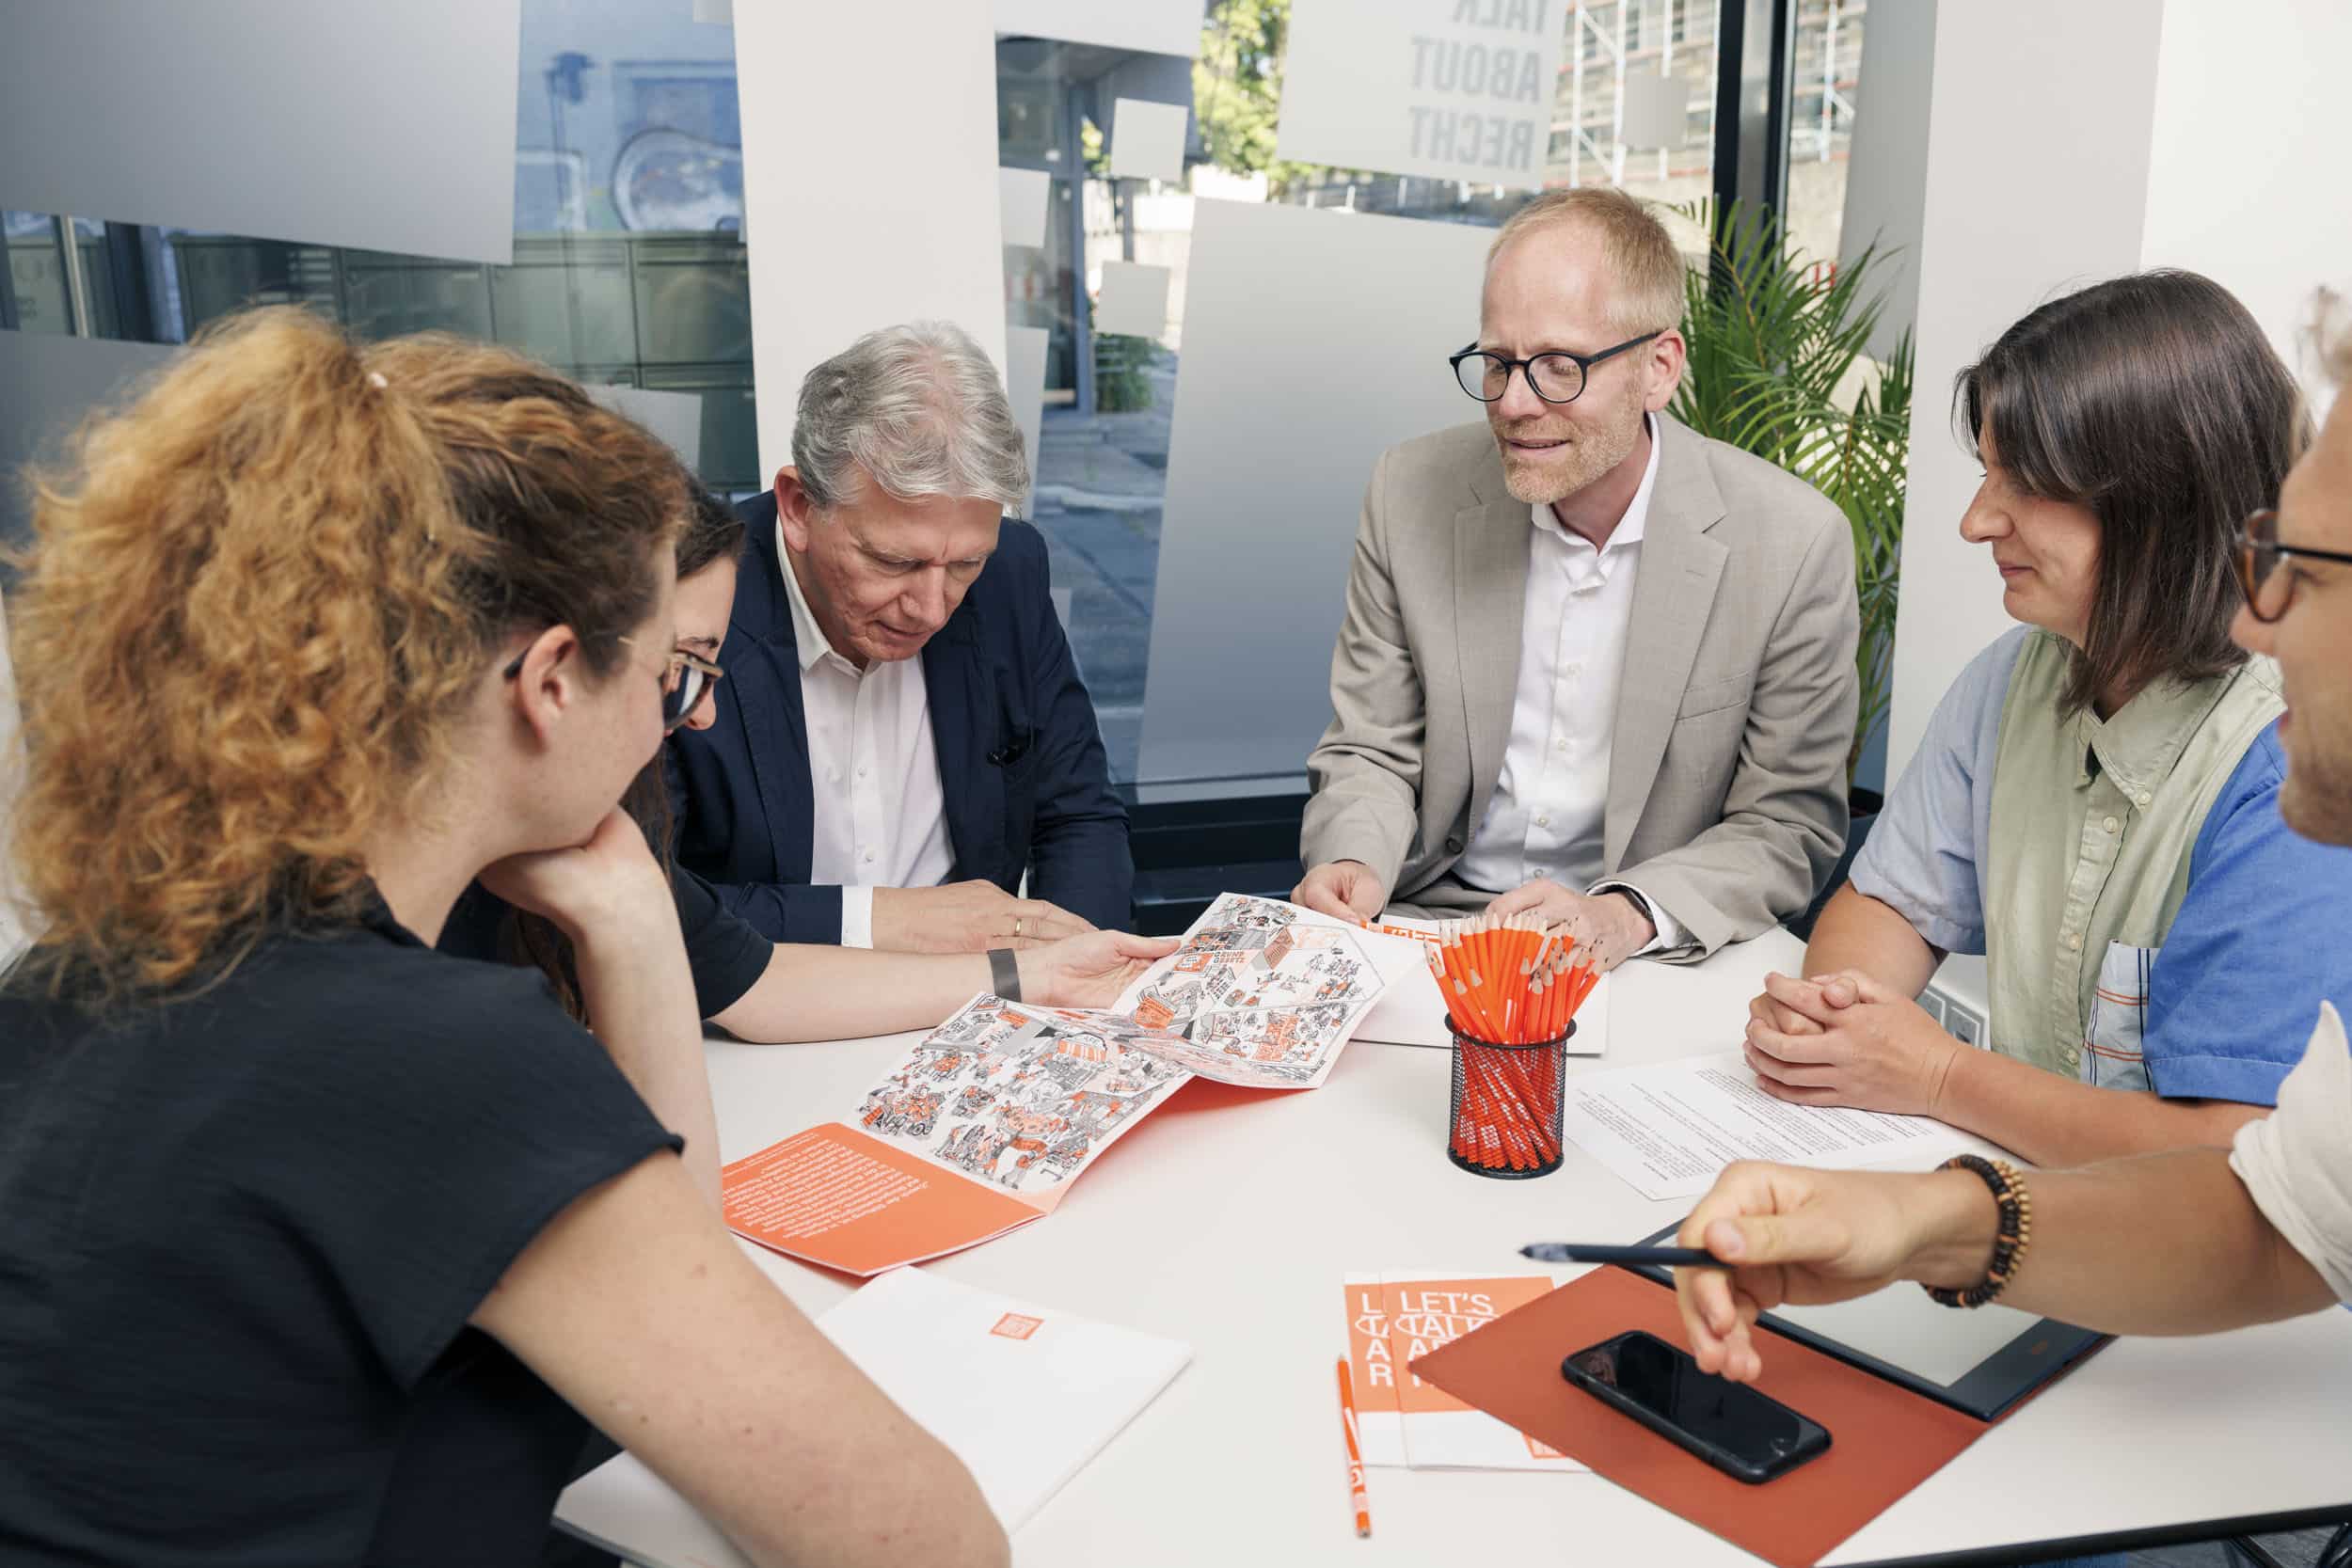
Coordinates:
(2316, 799)
(1590, 453)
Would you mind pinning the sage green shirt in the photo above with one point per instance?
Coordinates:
(2091, 826)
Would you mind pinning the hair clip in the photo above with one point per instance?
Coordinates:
(375, 379)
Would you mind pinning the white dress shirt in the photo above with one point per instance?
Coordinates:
(1548, 812)
(881, 817)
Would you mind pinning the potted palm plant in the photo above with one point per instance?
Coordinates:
(1779, 367)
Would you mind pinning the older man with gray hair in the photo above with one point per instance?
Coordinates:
(902, 735)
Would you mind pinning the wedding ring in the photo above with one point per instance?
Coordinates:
(1016, 927)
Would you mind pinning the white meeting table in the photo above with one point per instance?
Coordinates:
(1228, 1217)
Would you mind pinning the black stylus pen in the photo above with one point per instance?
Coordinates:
(1660, 1257)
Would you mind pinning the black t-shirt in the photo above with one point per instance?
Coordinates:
(725, 952)
(241, 1235)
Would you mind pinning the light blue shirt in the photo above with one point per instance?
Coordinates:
(2262, 934)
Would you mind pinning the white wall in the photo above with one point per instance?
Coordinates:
(2245, 181)
(869, 183)
(2070, 143)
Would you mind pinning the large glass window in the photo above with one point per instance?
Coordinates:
(1101, 465)
(628, 268)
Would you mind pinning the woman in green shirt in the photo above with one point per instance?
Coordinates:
(2093, 806)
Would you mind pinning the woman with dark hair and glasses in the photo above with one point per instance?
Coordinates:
(2095, 804)
(754, 989)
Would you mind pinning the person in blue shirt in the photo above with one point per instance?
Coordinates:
(2095, 804)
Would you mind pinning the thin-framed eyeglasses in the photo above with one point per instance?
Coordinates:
(1555, 377)
(2264, 569)
(685, 681)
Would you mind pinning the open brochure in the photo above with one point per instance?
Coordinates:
(1025, 1395)
(986, 1121)
(1393, 1318)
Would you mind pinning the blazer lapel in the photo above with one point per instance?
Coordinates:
(1490, 544)
(1672, 599)
(775, 719)
(956, 687)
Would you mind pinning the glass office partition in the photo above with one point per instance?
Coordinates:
(628, 264)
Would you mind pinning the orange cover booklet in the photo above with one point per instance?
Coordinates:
(985, 1122)
(1395, 1318)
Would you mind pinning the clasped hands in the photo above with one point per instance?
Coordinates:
(1846, 1040)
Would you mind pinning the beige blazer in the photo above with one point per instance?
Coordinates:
(1726, 775)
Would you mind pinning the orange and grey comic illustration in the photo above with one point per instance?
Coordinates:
(1018, 1098)
(1256, 996)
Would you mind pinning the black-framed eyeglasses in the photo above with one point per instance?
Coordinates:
(2263, 568)
(1555, 377)
(684, 683)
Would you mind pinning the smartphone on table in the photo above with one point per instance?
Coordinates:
(1747, 1435)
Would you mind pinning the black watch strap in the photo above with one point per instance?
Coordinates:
(1004, 973)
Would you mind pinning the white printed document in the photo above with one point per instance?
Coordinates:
(1024, 1395)
(1668, 1130)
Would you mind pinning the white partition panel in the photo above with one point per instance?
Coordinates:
(1025, 383)
(2020, 206)
(677, 417)
(1452, 90)
(1155, 26)
(1313, 342)
(870, 194)
(1885, 191)
(383, 124)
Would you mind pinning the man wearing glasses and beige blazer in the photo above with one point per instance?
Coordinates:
(1594, 666)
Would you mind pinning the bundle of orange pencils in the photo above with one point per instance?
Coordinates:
(1513, 991)
(1507, 981)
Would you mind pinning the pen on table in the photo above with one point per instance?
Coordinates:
(1355, 1452)
(1658, 1256)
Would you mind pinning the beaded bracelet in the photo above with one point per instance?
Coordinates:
(2011, 1235)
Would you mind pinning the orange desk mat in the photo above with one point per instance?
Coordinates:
(1883, 1440)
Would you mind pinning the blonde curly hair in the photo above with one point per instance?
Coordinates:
(257, 599)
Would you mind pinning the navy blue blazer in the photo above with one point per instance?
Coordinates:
(1020, 758)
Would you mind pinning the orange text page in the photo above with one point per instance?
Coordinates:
(835, 1196)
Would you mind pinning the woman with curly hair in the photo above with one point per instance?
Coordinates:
(322, 1246)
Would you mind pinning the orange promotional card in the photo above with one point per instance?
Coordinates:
(1883, 1439)
(835, 1196)
(1395, 1318)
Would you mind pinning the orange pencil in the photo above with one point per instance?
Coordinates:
(1355, 1452)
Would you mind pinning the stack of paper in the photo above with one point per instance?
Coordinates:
(1669, 1129)
(1024, 1395)
(1395, 1317)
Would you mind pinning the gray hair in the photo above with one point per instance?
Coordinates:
(920, 409)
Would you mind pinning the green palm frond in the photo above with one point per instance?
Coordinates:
(1773, 349)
